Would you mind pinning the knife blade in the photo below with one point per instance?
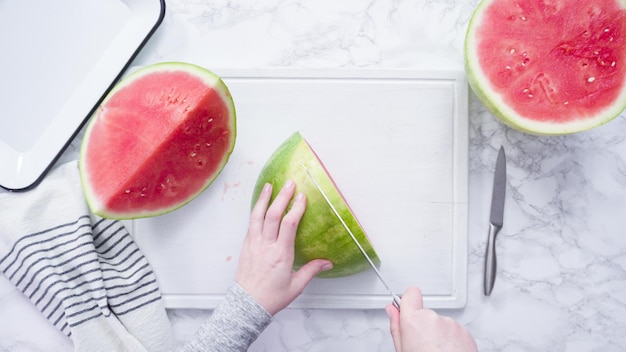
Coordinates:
(395, 298)
(496, 220)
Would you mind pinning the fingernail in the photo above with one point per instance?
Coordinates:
(288, 184)
(267, 188)
(327, 266)
(300, 197)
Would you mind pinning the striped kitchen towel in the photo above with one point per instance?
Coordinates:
(85, 274)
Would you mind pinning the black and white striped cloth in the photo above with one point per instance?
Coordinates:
(85, 274)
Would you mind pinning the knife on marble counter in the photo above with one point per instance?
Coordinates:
(496, 220)
(395, 299)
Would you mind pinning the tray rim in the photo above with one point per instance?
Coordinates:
(24, 177)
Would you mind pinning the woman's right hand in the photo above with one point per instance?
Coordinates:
(414, 328)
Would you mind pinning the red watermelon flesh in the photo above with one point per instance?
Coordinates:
(550, 61)
(157, 141)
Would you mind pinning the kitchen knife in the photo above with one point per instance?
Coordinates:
(396, 299)
(495, 220)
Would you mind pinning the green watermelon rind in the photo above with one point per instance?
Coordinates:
(320, 234)
(492, 100)
(208, 77)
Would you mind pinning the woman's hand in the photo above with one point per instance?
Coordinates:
(416, 329)
(266, 259)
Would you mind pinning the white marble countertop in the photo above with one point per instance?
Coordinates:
(561, 283)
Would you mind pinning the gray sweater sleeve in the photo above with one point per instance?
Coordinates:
(233, 326)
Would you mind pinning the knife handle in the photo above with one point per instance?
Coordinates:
(490, 259)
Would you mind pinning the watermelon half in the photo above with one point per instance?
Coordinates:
(320, 233)
(159, 138)
(549, 67)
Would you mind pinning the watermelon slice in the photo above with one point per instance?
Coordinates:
(159, 138)
(549, 67)
(320, 234)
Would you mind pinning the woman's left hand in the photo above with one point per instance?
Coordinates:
(266, 259)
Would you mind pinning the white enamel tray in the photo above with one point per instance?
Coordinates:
(396, 144)
(58, 60)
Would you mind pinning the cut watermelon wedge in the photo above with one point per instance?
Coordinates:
(320, 233)
(159, 138)
(549, 67)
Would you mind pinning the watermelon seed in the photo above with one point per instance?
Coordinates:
(208, 144)
(200, 162)
(193, 154)
(127, 191)
(197, 145)
(210, 120)
(613, 64)
(507, 67)
(591, 79)
(528, 92)
(512, 51)
(565, 102)
(523, 18)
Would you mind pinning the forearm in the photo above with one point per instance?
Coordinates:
(233, 326)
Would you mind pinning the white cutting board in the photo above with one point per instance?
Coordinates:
(396, 144)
